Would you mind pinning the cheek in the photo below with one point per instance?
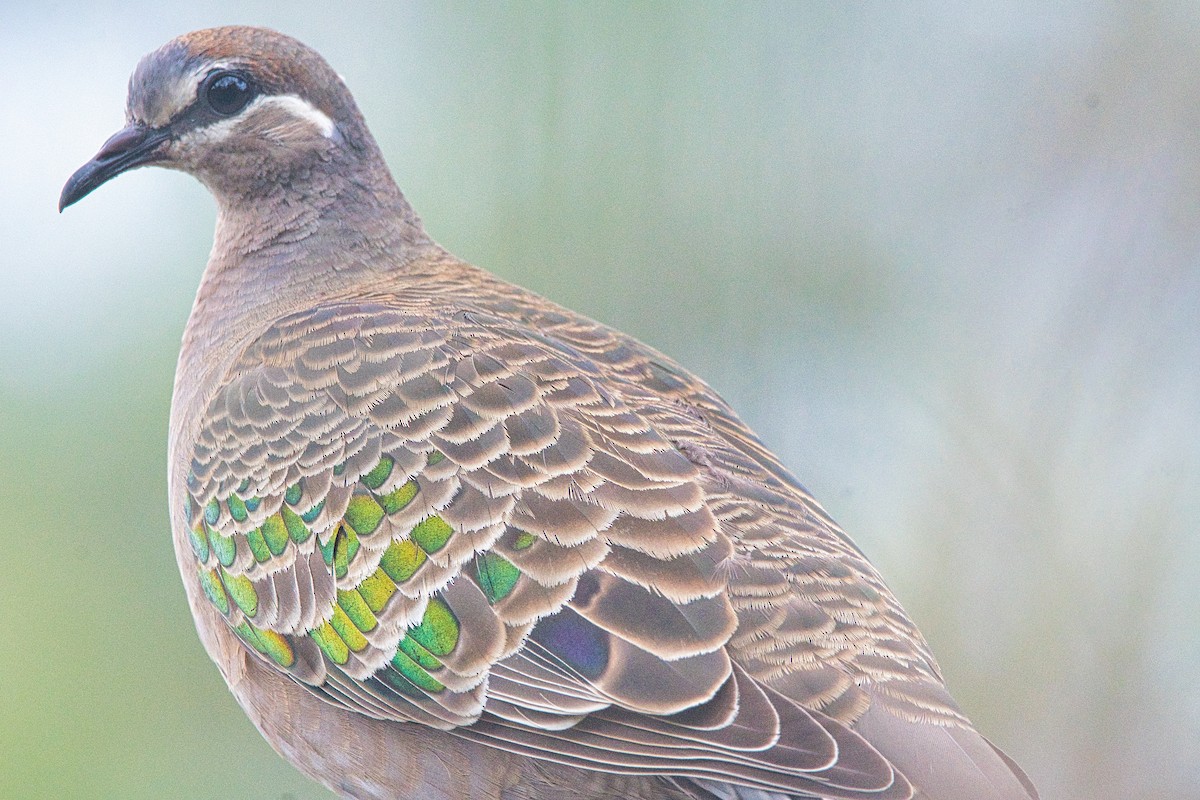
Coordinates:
(249, 155)
(180, 154)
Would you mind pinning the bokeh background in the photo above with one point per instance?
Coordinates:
(943, 258)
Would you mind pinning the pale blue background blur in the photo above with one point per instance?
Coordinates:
(945, 260)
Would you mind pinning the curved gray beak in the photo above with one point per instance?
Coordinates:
(132, 146)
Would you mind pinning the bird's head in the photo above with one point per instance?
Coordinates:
(243, 109)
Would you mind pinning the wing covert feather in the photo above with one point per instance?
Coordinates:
(456, 521)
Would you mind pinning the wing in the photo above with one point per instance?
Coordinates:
(461, 522)
(815, 619)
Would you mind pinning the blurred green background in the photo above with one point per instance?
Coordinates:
(943, 259)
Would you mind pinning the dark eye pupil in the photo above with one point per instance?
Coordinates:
(228, 93)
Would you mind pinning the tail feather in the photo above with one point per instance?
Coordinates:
(943, 762)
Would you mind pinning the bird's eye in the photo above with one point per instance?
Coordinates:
(227, 93)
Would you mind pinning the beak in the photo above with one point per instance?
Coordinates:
(133, 146)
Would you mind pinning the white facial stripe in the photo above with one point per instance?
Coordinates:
(216, 132)
(298, 109)
(301, 109)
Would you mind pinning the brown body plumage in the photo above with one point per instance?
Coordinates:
(446, 539)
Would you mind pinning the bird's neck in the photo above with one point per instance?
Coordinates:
(323, 238)
(311, 234)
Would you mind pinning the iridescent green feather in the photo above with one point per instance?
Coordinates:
(497, 576)
(438, 631)
(376, 589)
(400, 498)
(275, 534)
(267, 642)
(210, 582)
(312, 513)
(413, 672)
(278, 648)
(345, 548)
(363, 514)
(346, 629)
(401, 560)
(242, 591)
(375, 478)
(352, 603)
(296, 528)
(258, 545)
(199, 541)
(432, 533)
(419, 654)
(354, 612)
(212, 512)
(237, 508)
(397, 681)
(330, 643)
(224, 546)
(330, 544)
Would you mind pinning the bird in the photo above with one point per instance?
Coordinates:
(446, 539)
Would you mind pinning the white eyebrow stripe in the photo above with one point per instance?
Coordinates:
(300, 108)
(296, 107)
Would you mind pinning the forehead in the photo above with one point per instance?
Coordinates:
(164, 82)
